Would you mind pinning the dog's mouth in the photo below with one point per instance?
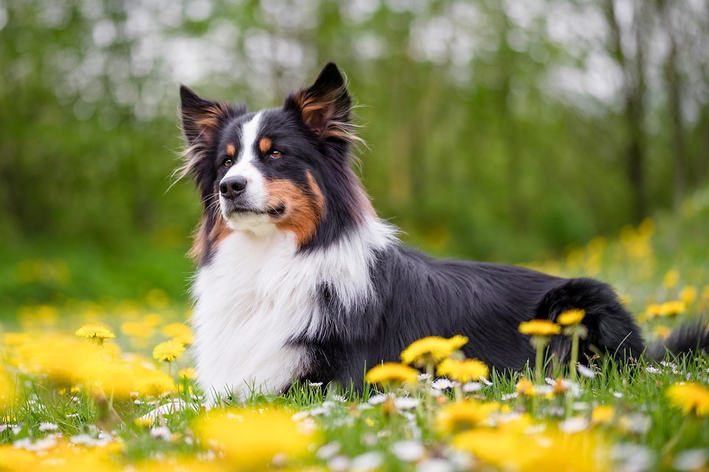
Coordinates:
(274, 212)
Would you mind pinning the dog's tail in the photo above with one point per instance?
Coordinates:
(610, 327)
(687, 339)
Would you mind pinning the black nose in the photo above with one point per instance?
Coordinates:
(232, 187)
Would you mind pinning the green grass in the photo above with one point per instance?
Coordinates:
(653, 264)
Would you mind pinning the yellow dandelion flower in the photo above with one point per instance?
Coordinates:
(689, 397)
(12, 458)
(154, 384)
(188, 373)
(250, 440)
(431, 349)
(460, 416)
(95, 332)
(662, 332)
(571, 317)
(168, 351)
(467, 370)
(538, 327)
(152, 319)
(672, 308)
(137, 329)
(525, 387)
(15, 339)
(671, 278)
(652, 311)
(516, 450)
(390, 372)
(602, 414)
(508, 449)
(179, 332)
(144, 421)
(688, 294)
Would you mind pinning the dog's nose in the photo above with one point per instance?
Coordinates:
(232, 187)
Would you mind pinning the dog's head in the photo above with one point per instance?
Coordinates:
(281, 169)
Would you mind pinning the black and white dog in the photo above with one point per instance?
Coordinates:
(299, 279)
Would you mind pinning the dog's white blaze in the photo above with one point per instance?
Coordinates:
(258, 293)
(244, 167)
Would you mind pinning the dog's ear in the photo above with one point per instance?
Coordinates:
(325, 106)
(201, 118)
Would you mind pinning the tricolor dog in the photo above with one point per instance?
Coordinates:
(298, 278)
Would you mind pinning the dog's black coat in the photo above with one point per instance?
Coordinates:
(420, 296)
(414, 295)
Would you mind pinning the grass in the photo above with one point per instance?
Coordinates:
(615, 418)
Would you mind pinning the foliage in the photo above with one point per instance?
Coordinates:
(485, 120)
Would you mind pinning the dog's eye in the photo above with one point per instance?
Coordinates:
(275, 154)
(228, 163)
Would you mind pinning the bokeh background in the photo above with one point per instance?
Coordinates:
(508, 131)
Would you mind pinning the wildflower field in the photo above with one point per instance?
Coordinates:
(109, 387)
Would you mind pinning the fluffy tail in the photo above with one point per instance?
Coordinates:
(688, 338)
(611, 327)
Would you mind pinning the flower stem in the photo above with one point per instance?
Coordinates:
(538, 363)
(574, 356)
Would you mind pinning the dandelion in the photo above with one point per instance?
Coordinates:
(463, 371)
(688, 294)
(154, 384)
(525, 387)
(179, 332)
(466, 370)
(662, 332)
(571, 319)
(250, 440)
(516, 450)
(671, 278)
(13, 458)
(672, 308)
(540, 330)
(689, 397)
(651, 311)
(392, 373)
(168, 351)
(602, 414)
(95, 333)
(464, 415)
(431, 350)
(188, 374)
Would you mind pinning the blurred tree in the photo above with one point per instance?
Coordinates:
(495, 130)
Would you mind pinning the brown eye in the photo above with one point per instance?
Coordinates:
(275, 154)
(228, 163)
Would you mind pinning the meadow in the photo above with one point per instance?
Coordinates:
(108, 386)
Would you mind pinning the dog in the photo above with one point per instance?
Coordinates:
(299, 279)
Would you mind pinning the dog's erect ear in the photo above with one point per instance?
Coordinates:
(325, 106)
(200, 117)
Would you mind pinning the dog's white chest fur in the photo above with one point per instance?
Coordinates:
(257, 293)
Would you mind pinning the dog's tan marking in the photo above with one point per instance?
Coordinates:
(230, 150)
(204, 237)
(304, 207)
(265, 144)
